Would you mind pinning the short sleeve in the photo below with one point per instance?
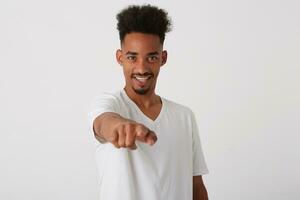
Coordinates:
(102, 103)
(199, 164)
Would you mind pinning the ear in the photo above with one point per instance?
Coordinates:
(164, 56)
(119, 56)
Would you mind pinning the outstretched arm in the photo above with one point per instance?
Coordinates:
(121, 132)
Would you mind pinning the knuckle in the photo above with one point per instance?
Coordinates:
(129, 128)
(128, 145)
(114, 137)
(121, 144)
(130, 141)
(116, 144)
(139, 128)
(121, 128)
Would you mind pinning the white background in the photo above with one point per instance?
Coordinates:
(235, 63)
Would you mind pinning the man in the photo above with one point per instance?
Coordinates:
(148, 146)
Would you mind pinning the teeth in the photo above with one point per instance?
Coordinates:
(142, 78)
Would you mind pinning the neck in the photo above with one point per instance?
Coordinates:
(143, 101)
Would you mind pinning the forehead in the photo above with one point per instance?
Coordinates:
(141, 42)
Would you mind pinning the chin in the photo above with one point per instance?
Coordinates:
(141, 91)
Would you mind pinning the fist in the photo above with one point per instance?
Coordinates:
(126, 133)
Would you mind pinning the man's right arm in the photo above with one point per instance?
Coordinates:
(121, 132)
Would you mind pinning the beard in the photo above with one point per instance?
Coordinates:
(141, 91)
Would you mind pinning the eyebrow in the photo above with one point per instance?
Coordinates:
(153, 53)
(135, 53)
(131, 53)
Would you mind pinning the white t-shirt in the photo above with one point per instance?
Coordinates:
(163, 171)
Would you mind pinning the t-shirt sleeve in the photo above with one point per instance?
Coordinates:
(100, 104)
(199, 164)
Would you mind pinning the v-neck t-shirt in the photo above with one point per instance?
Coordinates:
(163, 171)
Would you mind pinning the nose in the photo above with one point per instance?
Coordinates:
(142, 66)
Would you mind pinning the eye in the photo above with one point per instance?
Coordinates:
(152, 58)
(131, 58)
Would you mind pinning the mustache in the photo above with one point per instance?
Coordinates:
(144, 74)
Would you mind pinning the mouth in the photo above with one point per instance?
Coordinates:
(142, 79)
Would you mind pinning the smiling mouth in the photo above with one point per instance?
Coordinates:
(142, 78)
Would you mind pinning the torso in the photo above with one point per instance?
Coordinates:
(158, 172)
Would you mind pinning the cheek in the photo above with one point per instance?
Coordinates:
(156, 70)
(126, 72)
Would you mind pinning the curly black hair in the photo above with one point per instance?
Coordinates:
(143, 19)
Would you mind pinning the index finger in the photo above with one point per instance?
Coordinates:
(141, 132)
(151, 138)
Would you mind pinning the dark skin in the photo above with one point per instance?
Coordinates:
(199, 189)
(141, 56)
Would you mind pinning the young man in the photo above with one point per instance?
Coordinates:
(148, 146)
